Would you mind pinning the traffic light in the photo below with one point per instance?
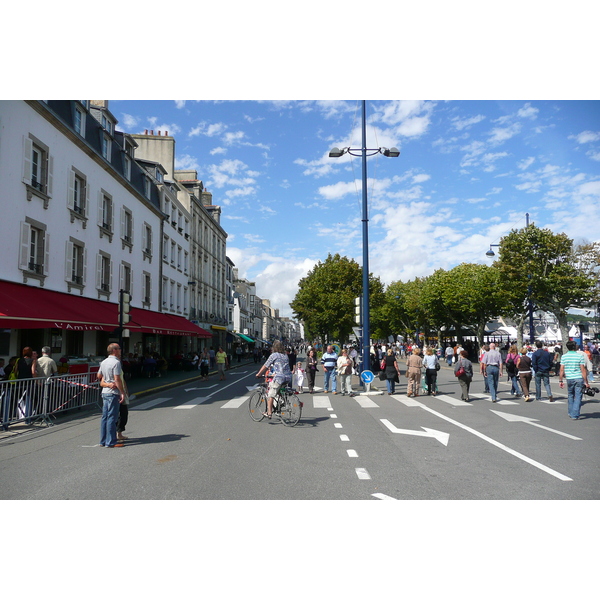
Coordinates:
(358, 310)
(124, 307)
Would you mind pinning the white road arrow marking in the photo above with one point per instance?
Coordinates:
(440, 436)
(150, 404)
(530, 421)
(499, 445)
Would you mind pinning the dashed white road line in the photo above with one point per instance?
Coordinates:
(362, 473)
(352, 453)
(383, 497)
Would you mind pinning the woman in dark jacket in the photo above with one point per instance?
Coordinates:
(391, 371)
(311, 369)
(466, 378)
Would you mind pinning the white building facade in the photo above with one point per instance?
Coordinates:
(82, 221)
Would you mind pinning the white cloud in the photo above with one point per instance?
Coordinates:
(586, 136)
(208, 129)
(129, 122)
(528, 112)
(499, 135)
(233, 173)
(320, 167)
(340, 189)
(461, 124)
(172, 128)
(233, 137)
(179, 103)
(421, 178)
(186, 162)
(525, 163)
(218, 150)
(594, 155)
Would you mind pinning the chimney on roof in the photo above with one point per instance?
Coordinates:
(166, 133)
(152, 132)
(145, 132)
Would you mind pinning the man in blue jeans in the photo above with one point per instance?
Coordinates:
(329, 362)
(491, 364)
(541, 362)
(573, 369)
(111, 373)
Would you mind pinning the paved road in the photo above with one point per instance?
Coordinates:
(197, 441)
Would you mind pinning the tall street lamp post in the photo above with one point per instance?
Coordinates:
(491, 253)
(364, 152)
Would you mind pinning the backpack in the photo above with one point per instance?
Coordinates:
(510, 365)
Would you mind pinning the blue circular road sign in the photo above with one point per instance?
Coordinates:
(367, 376)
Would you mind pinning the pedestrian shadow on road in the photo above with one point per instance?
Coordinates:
(155, 439)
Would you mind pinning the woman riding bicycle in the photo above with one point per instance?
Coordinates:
(282, 374)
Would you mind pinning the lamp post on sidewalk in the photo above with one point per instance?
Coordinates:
(389, 152)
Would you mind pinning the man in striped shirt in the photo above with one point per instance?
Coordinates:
(329, 362)
(572, 368)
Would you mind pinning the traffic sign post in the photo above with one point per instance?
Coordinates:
(367, 378)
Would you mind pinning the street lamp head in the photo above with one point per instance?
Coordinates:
(391, 152)
(490, 253)
(335, 153)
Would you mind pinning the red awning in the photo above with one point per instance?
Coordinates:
(27, 307)
(149, 321)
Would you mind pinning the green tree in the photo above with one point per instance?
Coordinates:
(465, 296)
(559, 275)
(325, 297)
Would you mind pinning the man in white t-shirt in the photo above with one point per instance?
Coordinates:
(113, 393)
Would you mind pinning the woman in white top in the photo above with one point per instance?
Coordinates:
(430, 362)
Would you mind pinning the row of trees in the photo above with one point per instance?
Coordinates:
(532, 263)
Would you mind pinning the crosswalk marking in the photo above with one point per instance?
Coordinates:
(366, 402)
(489, 399)
(321, 402)
(405, 400)
(450, 400)
(150, 404)
(236, 402)
(191, 403)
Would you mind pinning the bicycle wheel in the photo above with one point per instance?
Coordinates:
(257, 405)
(291, 411)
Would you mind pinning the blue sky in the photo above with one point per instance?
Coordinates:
(467, 173)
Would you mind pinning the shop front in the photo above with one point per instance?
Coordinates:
(76, 326)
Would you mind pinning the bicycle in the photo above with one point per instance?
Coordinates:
(286, 405)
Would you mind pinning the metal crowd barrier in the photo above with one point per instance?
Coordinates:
(39, 399)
